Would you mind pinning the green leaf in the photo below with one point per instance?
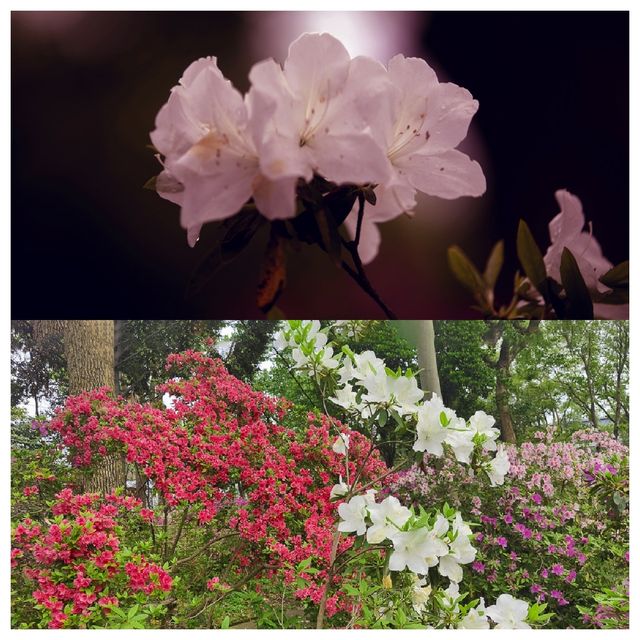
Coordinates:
(579, 304)
(494, 265)
(618, 276)
(464, 270)
(150, 183)
(383, 416)
(237, 233)
(531, 259)
(132, 612)
(225, 623)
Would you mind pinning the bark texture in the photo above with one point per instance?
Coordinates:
(89, 351)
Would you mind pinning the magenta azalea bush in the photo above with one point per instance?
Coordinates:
(557, 531)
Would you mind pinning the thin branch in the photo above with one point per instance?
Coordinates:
(203, 549)
(360, 277)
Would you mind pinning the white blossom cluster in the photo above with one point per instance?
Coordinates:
(438, 540)
(419, 542)
(365, 386)
(507, 613)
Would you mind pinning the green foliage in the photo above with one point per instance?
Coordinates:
(143, 347)
(465, 378)
(250, 342)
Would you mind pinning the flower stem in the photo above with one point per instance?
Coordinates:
(357, 272)
(327, 582)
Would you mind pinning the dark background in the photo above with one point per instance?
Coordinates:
(89, 242)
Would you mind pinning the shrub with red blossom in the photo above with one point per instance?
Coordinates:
(232, 470)
(76, 565)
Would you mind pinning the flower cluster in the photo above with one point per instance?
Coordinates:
(221, 449)
(419, 542)
(541, 536)
(349, 121)
(77, 563)
(367, 388)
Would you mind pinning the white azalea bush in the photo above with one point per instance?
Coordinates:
(418, 554)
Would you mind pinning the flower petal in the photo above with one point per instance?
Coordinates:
(275, 199)
(350, 157)
(316, 66)
(369, 235)
(450, 110)
(570, 221)
(448, 175)
(213, 197)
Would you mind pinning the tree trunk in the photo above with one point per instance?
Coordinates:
(429, 378)
(89, 351)
(503, 366)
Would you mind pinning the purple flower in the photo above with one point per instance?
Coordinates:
(478, 566)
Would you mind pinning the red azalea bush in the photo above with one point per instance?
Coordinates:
(76, 565)
(556, 531)
(225, 463)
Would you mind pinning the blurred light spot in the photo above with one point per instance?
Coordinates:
(379, 35)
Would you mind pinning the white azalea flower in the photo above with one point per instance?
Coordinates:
(340, 489)
(327, 361)
(482, 423)
(460, 439)
(405, 392)
(509, 612)
(367, 364)
(498, 467)
(300, 359)
(377, 388)
(460, 551)
(386, 517)
(341, 444)
(476, 618)
(353, 514)
(441, 525)
(345, 372)
(345, 398)
(412, 548)
(430, 432)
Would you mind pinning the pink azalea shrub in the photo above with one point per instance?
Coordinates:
(227, 464)
(76, 565)
(550, 533)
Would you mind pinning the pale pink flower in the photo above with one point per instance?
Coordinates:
(306, 117)
(566, 230)
(211, 165)
(420, 126)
